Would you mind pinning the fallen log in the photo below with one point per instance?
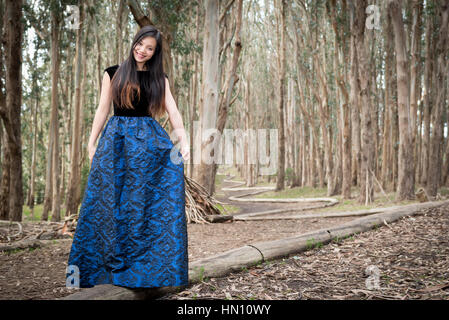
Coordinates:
(261, 215)
(111, 292)
(216, 218)
(26, 244)
(266, 188)
(252, 254)
(327, 203)
(331, 201)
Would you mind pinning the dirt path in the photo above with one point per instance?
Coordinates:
(251, 207)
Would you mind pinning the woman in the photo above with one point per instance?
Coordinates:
(131, 229)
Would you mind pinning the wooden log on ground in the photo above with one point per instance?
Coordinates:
(248, 188)
(111, 292)
(236, 259)
(217, 218)
(239, 183)
(331, 201)
(355, 213)
(29, 243)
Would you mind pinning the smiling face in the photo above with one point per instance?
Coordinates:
(144, 49)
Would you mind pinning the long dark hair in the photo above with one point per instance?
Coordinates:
(125, 82)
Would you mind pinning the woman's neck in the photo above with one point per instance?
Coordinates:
(141, 67)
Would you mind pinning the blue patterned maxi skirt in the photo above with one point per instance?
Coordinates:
(131, 229)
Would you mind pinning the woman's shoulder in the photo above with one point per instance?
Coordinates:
(111, 70)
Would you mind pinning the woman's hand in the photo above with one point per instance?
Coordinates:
(91, 150)
(185, 151)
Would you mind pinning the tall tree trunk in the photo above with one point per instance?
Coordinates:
(31, 201)
(195, 80)
(66, 131)
(10, 110)
(427, 98)
(436, 141)
(4, 152)
(342, 103)
(231, 79)
(355, 112)
(281, 140)
(74, 180)
(209, 96)
(119, 34)
(367, 163)
(54, 123)
(415, 83)
(323, 112)
(295, 131)
(288, 129)
(5, 182)
(406, 175)
(388, 143)
(100, 66)
(248, 137)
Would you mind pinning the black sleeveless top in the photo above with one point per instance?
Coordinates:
(140, 106)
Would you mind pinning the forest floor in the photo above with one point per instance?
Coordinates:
(420, 251)
(407, 259)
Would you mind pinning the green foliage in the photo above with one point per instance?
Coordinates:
(337, 239)
(200, 273)
(37, 212)
(227, 209)
(289, 174)
(444, 191)
(219, 179)
(310, 243)
(9, 252)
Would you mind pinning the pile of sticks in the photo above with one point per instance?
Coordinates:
(199, 203)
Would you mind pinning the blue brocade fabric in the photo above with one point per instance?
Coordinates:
(131, 229)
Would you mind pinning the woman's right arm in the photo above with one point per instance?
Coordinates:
(103, 110)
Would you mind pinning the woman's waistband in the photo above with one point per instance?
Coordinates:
(134, 116)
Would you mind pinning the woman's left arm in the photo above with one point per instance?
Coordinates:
(176, 121)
